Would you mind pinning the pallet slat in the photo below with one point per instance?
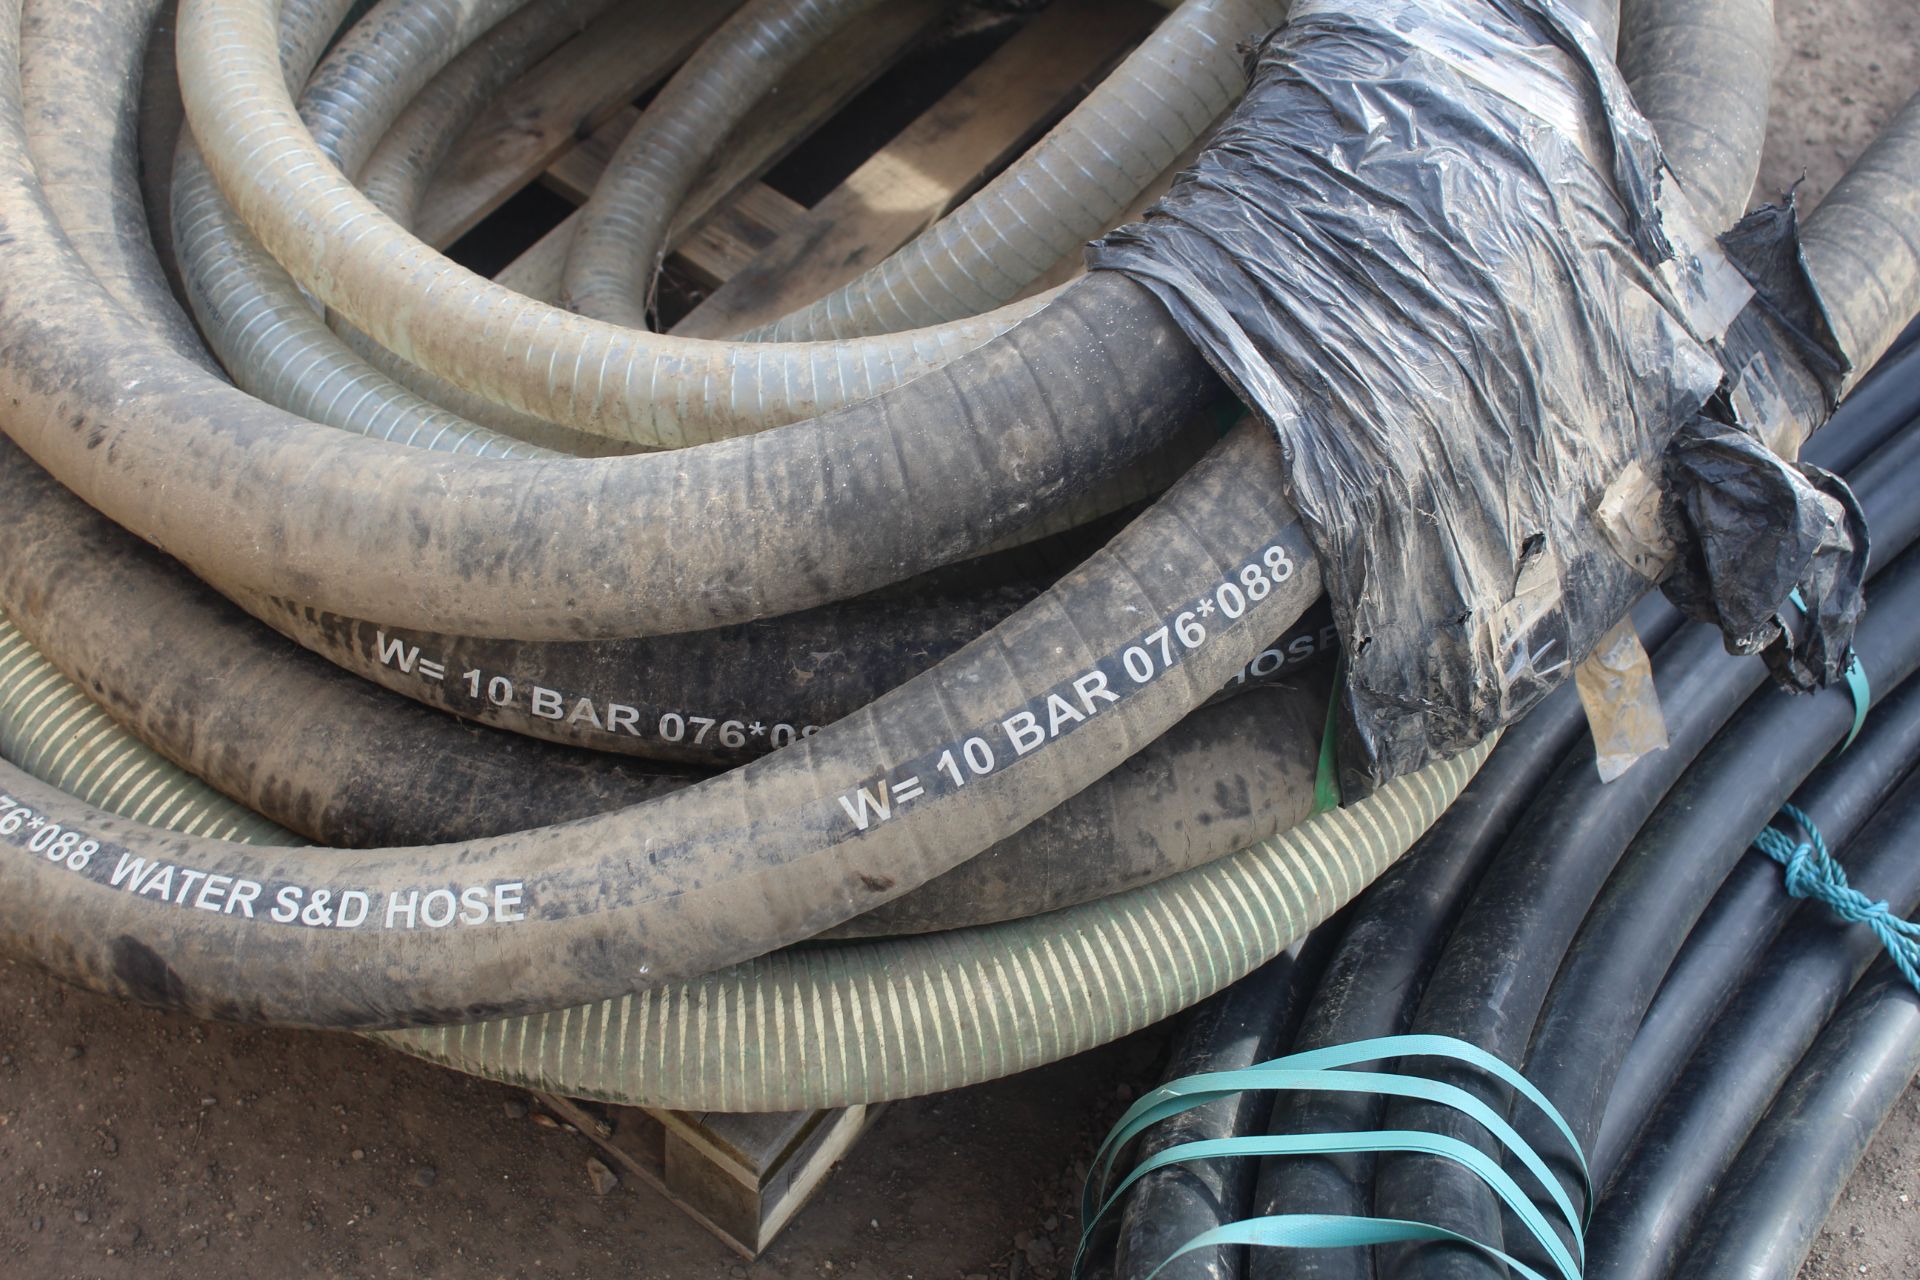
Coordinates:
(743, 1177)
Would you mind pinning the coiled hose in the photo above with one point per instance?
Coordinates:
(1066, 190)
(876, 883)
(428, 536)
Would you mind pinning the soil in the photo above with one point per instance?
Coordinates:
(140, 1144)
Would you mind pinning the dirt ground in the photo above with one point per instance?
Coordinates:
(135, 1144)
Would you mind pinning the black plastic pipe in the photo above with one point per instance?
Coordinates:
(1762, 1222)
(1658, 1197)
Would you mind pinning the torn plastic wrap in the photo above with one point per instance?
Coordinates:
(1432, 249)
(1747, 521)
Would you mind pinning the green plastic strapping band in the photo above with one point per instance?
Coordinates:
(1326, 777)
(1854, 674)
(1326, 1070)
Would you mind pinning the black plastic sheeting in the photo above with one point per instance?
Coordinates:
(1435, 249)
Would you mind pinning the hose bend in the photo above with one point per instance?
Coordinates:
(621, 236)
(1862, 244)
(1066, 190)
(579, 373)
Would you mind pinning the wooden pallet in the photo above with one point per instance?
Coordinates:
(757, 253)
(743, 1177)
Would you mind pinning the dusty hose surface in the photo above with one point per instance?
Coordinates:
(581, 373)
(641, 951)
(181, 985)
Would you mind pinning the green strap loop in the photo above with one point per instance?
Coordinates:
(1196, 1091)
(1413, 1141)
(1326, 777)
(1326, 1069)
(1326, 1231)
(1854, 674)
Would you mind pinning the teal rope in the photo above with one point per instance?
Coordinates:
(1813, 873)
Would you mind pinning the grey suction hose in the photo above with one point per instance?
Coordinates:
(397, 175)
(1066, 190)
(621, 235)
(380, 59)
(1863, 243)
(422, 135)
(533, 357)
(255, 317)
(624, 919)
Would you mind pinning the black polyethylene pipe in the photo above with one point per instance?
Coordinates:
(1493, 977)
(1656, 1200)
(1744, 916)
(1680, 858)
(1376, 974)
(1762, 1222)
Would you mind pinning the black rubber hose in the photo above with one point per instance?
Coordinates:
(277, 729)
(1377, 973)
(1655, 1201)
(1763, 1218)
(1743, 917)
(1493, 977)
(1245, 1024)
(1680, 858)
(713, 698)
(730, 869)
(349, 765)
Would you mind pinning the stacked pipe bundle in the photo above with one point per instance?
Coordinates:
(751, 643)
(1722, 1052)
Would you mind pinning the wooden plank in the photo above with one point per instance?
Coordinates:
(622, 53)
(909, 183)
(744, 1144)
(738, 232)
(743, 1177)
(818, 88)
